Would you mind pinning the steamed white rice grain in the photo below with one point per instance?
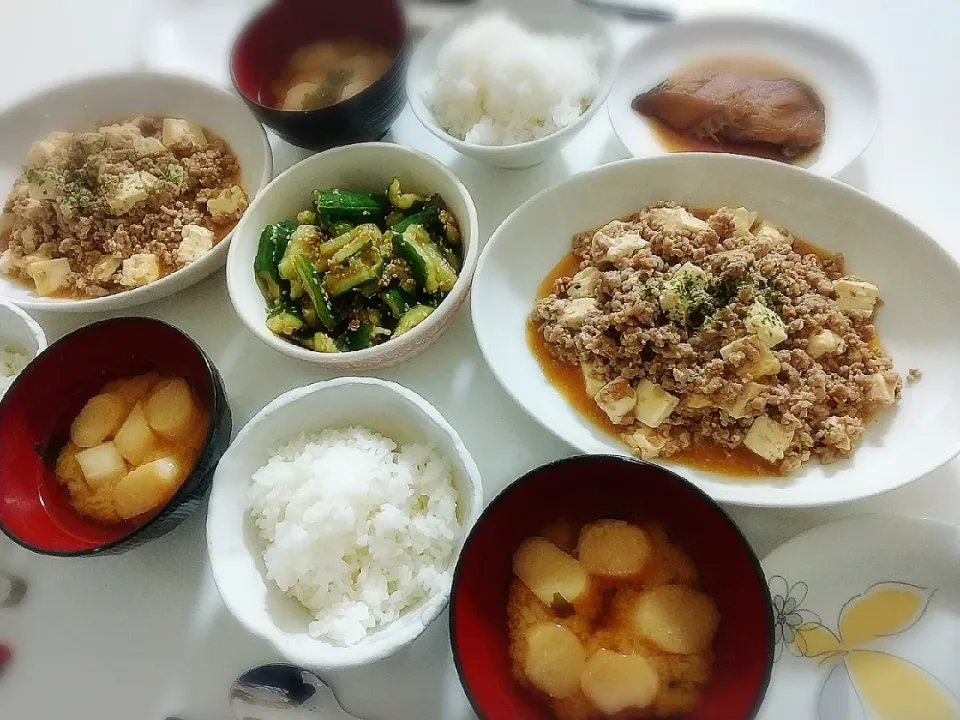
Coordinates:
(499, 84)
(355, 528)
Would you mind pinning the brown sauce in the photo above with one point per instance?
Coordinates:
(568, 380)
(756, 66)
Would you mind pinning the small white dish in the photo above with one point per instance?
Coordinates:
(367, 167)
(19, 333)
(90, 102)
(867, 614)
(557, 17)
(839, 74)
(917, 278)
(232, 538)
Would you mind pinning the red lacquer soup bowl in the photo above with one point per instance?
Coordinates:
(586, 488)
(35, 418)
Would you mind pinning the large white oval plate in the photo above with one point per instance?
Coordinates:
(86, 104)
(867, 621)
(838, 73)
(918, 280)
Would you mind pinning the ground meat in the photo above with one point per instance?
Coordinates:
(99, 198)
(674, 288)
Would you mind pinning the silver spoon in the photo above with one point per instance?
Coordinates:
(284, 692)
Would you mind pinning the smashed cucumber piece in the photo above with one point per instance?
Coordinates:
(362, 268)
(302, 244)
(430, 269)
(345, 246)
(367, 335)
(270, 250)
(284, 319)
(314, 290)
(401, 200)
(411, 318)
(396, 301)
(335, 206)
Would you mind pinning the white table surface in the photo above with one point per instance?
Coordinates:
(144, 635)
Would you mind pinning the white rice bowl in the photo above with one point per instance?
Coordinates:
(355, 528)
(499, 84)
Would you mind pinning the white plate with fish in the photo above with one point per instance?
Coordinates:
(908, 438)
(864, 633)
(810, 98)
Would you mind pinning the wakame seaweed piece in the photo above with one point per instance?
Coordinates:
(335, 206)
(399, 199)
(303, 243)
(430, 269)
(284, 319)
(411, 318)
(315, 291)
(396, 301)
(270, 250)
(366, 266)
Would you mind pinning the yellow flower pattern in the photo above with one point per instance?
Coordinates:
(887, 687)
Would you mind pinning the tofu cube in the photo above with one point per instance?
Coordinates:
(645, 442)
(43, 184)
(132, 189)
(49, 275)
(575, 312)
(101, 464)
(654, 404)
(674, 219)
(684, 291)
(197, 241)
(768, 438)
(105, 269)
(617, 400)
(40, 153)
(743, 220)
(825, 342)
(140, 269)
(148, 146)
(228, 204)
(592, 379)
(856, 295)
(766, 325)
(766, 364)
(738, 408)
(697, 402)
(182, 132)
(773, 234)
(883, 390)
(584, 283)
(120, 136)
(624, 246)
(90, 142)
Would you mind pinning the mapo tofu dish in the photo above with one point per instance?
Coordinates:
(96, 213)
(695, 328)
(358, 269)
(605, 620)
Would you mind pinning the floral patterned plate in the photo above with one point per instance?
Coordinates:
(867, 622)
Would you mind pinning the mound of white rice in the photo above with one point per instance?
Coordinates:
(499, 84)
(356, 529)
